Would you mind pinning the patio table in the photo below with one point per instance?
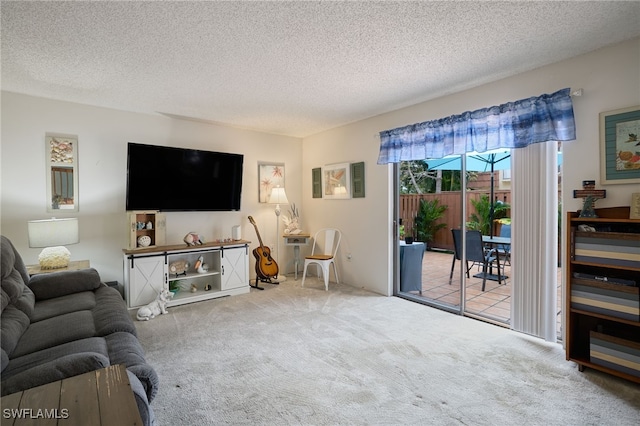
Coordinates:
(493, 241)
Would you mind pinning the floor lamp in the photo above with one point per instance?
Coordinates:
(277, 197)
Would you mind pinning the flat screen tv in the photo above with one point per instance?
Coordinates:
(178, 179)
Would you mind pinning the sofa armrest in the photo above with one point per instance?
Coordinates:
(56, 284)
(139, 392)
(148, 377)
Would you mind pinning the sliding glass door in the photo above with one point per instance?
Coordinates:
(494, 278)
(429, 204)
(466, 195)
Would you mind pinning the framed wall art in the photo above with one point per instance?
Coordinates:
(620, 146)
(61, 172)
(336, 181)
(270, 175)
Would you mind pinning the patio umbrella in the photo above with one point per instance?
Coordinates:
(489, 161)
(477, 162)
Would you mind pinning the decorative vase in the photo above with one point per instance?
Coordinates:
(408, 240)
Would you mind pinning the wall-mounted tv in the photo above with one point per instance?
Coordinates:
(178, 179)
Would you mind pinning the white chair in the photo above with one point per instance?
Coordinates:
(325, 247)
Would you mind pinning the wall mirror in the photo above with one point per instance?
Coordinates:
(62, 172)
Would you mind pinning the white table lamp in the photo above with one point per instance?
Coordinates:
(53, 234)
(278, 196)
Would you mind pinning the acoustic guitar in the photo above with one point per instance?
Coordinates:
(266, 266)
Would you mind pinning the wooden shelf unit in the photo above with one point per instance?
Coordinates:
(147, 271)
(603, 315)
(156, 233)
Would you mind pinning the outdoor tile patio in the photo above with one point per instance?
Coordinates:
(494, 303)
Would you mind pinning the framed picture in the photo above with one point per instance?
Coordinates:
(336, 181)
(61, 153)
(620, 146)
(270, 175)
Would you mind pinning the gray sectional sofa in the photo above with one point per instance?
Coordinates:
(63, 324)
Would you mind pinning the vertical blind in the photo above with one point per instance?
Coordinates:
(548, 117)
(534, 237)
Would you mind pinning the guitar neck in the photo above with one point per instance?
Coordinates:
(259, 238)
(257, 232)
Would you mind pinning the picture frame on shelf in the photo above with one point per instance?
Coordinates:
(336, 181)
(270, 175)
(620, 146)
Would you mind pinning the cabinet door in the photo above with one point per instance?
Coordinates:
(147, 278)
(235, 268)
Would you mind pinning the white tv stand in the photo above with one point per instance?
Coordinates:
(147, 272)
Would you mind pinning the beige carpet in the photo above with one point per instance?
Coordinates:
(303, 356)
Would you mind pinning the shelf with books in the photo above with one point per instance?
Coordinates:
(603, 303)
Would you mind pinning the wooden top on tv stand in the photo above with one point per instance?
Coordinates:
(184, 246)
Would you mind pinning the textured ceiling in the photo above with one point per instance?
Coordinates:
(292, 68)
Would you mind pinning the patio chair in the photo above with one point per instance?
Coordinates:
(325, 247)
(503, 250)
(476, 253)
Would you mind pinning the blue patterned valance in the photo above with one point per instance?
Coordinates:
(511, 125)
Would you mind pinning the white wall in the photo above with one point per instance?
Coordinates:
(610, 79)
(102, 138)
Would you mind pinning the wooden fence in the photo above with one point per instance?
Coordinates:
(443, 240)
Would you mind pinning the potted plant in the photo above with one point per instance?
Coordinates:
(426, 222)
(404, 233)
(408, 235)
(481, 219)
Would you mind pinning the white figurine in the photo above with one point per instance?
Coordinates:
(291, 225)
(200, 266)
(157, 307)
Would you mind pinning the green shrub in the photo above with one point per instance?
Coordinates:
(425, 224)
(481, 219)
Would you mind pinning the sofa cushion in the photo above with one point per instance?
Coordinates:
(56, 284)
(48, 308)
(92, 344)
(13, 326)
(5, 300)
(110, 314)
(16, 291)
(56, 369)
(11, 263)
(26, 301)
(55, 331)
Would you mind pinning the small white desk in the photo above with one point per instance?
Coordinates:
(296, 241)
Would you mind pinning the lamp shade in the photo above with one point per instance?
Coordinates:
(53, 232)
(278, 196)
